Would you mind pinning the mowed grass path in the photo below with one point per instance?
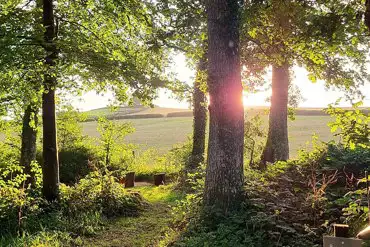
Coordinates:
(163, 133)
(148, 229)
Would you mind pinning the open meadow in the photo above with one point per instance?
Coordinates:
(162, 133)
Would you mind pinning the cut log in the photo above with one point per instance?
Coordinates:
(159, 179)
(341, 230)
(130, 180)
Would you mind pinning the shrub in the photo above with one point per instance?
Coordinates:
(17, 202)
(254, 139)
(10, 144)
(26, 218)
(112, 135)
(355, 160)
(99, 192)
(352, 126)
(74, 162)
(70, 127)
(289, 204)
(150, 162)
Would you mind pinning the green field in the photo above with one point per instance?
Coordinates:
(163, 133)
(160, 133)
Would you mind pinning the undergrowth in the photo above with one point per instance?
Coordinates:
(291, 203)
(81, 210)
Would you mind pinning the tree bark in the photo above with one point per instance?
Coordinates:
(277, 144)
(367, 14)
(200, 119)
(224, 173)
(29, 137)
(50, 166)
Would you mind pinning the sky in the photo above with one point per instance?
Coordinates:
(314, 94)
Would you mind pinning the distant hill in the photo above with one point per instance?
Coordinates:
(139, 111)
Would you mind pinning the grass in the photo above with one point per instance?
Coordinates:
(163, 133)
(138, 110)
(147, 229)
(160, 133)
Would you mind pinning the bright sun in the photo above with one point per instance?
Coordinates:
(245, 99)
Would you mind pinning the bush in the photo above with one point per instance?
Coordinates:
(101, 193)
(352, 126)
(254, 140)
(75, 149)
(17, 201)
(355, 160)
(112, 147)
(149, 162)
(26, 218)
(289, 204)
(74, 163)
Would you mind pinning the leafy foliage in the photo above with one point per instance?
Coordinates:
(112, 135)
(352, 126)
(99, 192)
(17, 201)
(149, 162)
(83, 207)
(254, 139)
(290, 204)
(309, 34)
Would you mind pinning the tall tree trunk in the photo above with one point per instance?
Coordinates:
(367, 14)
(277, 145)
(224, 173)
(200, 118)
(50, 167)
(29, 137)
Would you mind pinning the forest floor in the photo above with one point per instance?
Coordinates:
(145, 230)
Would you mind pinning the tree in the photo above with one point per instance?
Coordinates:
(89, 45)
(277, 145)
(50, 167)
(200, 117)
(29, 139)
(224, 172)
(20, 72)
(184, 30)
(367, 14)
(112, 136)
(281, 34)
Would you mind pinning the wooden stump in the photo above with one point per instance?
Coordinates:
(130, 180)
(159, 179)
(341, 230)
